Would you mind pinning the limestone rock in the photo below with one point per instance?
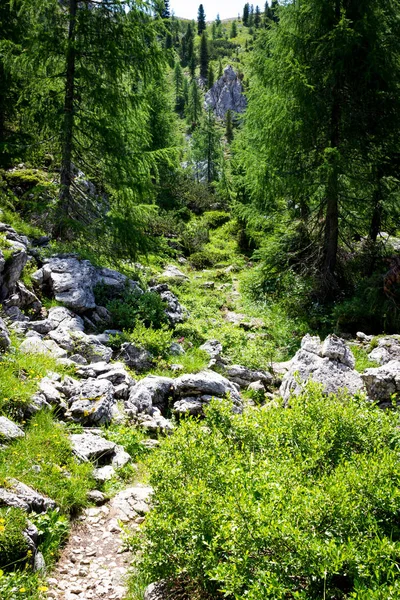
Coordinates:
(383, 382)
(22, 496)
(226, 94)
(244, 377)
(88, 446)
(174, 311)
(204, 386)
(157, 591)
(103, 474)
(9, 430)
(149, 393)
(328, 364)
(35, 345)
(12, 270)
(93, 404)
(137, 358)
(388, 349)
(172, 272)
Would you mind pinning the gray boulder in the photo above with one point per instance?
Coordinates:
(90, 447)
(9, 430)
(35, 345)
(172, 272)
(244, 377)
(149, 393)
(137, 358)
(5, 340)
(22, 496)
(157, 591)
(388, 349)
(174, 311)
(383, 382)
(330, 364)
(11, 273)
(93, 404)
(226, 94)
(203, 387)
(72, 281)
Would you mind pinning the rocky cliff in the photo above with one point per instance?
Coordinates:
(226, 94)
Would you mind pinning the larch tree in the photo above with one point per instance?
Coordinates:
(317, 127)
(203, 56)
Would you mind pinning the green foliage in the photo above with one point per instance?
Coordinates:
(215, 218)
(156, 341)
(61, 477)
(279, 503)
(53, 528)
(362, 360)
(13, 545)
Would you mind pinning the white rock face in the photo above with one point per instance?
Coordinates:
(388, 349)
(330, 364)
(202, 387)
(226, 94)
(88, 446)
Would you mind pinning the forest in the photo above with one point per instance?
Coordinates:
(199, 301)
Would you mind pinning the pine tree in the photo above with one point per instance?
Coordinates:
(203, 56)
(274, 10)
(246, 13)
(201, 20)
(229, 127)
(233, 32)
(188, 45)
(220, 70)
(251, 16)
(165, 14)
(268, 15)
(257, 18)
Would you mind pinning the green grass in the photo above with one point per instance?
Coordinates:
(363, 362)
(59, 476)
(19, 379)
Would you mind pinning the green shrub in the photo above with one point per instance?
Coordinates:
(362, 359)
(279, 504)
(13, 545)
(128, 437)
(130, 307)
(202, 260)
(156, 341)
(216, 218)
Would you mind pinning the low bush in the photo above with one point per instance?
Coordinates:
(215, 218)
(156, 341)
(279, 504)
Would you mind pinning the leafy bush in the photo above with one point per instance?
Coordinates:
(202, 260)
(13, 545)
(194, 236)
(128, 437)
(279, 503)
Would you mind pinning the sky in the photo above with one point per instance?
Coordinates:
(187, 9)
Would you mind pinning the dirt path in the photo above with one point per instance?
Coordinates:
(94, 564)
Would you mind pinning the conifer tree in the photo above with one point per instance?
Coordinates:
(220, 69)
(204, 56)
(165, 14)
(188, 45)
(257, 18)
(246, 13)
(201, 20)
(251, 16)
(233, 32)
(178, 81)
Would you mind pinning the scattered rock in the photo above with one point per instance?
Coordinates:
(204, 386)
(5, 340)
(149, 393)
(103, 474)
(172, 272)
(156, 591)
(174, 311)
(9, 430)
(97, 497)
(35, 345)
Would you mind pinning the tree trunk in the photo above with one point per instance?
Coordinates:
(65, 200)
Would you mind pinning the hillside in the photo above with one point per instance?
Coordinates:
(200, 302)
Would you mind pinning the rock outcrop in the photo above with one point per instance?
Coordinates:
(383, 383)
(388, 349)
(226, 94)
